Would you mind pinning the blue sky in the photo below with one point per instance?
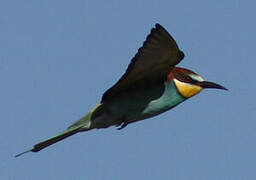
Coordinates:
(58, 57)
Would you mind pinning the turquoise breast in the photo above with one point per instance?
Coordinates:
(169, 99)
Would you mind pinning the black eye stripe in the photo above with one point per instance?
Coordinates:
(184, 78)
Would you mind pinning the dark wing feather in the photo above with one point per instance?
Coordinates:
(158, 55)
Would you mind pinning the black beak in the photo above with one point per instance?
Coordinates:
(207, 84)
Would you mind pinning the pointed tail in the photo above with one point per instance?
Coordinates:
(82, 124)
(50, 141)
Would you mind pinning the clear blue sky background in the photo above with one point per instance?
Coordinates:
(58, 57)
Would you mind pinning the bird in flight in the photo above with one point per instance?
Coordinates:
(151, 85)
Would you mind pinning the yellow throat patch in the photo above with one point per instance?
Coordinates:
(187, 90)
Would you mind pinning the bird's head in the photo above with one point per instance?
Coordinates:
(189, 83)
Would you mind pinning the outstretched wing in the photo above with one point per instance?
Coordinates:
(158, 55)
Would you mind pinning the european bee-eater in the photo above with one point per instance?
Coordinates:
(151, 85)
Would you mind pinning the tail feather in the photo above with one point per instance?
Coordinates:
(50, 141)
(44, 144)
(83, 124)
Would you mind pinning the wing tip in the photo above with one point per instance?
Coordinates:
(160, 27)
(157, 25)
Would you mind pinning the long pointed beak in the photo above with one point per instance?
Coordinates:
(207, 84)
